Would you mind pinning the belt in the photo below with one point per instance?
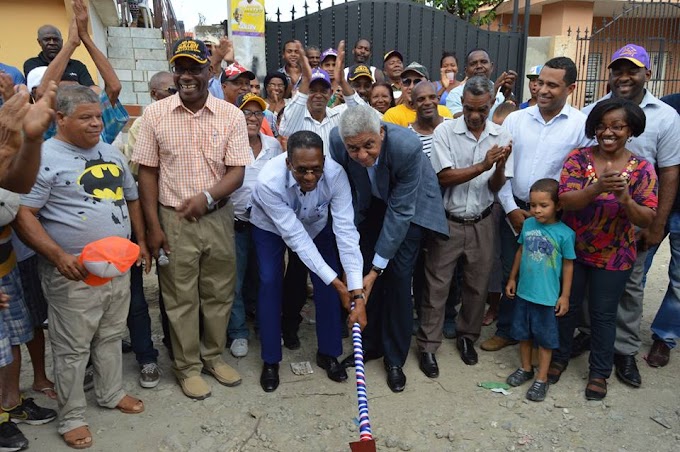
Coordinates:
(522, 204)
(240, 225)
(485, 213)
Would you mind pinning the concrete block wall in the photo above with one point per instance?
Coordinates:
(136, 54)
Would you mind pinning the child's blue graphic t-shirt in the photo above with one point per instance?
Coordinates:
(540, 271)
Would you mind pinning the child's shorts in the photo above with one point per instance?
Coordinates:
(535, 321)
(16, 327)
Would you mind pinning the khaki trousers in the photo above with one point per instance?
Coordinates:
(472, 244)
(83, 318)
(198, 283)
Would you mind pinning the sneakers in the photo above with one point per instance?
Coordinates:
(495, 343)
(11, 438)
(28, 412)
(149, 375)
(239, 348)
(537, 391)
(519, 377)
(88, 383)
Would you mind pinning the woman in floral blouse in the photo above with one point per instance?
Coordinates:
(605, 191)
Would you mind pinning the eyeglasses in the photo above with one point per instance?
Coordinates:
(193, 70)
(301, 171)
(616, 129)
(408, 81)
(257, 114)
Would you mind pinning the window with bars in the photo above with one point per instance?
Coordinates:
(592, 78)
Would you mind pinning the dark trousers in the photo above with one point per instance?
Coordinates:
(139, 321)
(294, 294)
(389, 309)
(604, 289)
(509, 248)
(269, 248)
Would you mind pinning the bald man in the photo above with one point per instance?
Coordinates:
(51, 42)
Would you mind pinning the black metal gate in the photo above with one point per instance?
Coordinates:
(419, 32)
(654, 25)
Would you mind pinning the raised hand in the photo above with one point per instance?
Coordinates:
(81, 16)
(6, 86)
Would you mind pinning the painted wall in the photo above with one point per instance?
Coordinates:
(19, 23)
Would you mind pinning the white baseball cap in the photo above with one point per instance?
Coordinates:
(35, 77)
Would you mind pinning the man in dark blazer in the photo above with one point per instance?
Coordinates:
(396, 200)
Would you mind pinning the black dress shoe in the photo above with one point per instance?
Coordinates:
(467, 351)
(291, 341)
(333, 368)
(269, 379)
(396, 379)
(349, 359)
(627, 370)
(428, 364)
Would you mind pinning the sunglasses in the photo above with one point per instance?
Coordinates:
(408, 81)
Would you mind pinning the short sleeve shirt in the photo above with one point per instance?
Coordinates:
(605, 237)
(82, 194)
(191, 150)
(544, 246)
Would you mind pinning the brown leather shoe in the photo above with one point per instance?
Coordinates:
(659, 354)
(495, 343)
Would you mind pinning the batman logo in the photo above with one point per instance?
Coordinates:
(103, 181)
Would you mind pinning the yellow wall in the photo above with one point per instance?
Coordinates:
(19, 23)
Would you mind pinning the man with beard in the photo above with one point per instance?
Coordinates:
(478, 62)
(362, 55)
(629, 70)
(469, 156)
(405, 113)
(191, 151)
(51, 42)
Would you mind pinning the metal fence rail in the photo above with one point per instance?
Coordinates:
(654, 25)
(419, 32)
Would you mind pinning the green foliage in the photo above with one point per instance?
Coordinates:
(467, 9)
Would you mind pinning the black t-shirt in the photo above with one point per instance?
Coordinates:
(674, 101)
(74, 68)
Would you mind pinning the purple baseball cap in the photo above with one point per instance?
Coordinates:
(328, 52)
(320, 74)
(633, 53)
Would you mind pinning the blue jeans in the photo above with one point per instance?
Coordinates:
(605, 288)
(270, 248)
(237, 328)
(506, 307)
(666, 324)
(138, 320)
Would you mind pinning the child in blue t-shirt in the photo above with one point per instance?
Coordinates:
(545, 265)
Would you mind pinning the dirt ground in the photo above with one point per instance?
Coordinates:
(450, 413)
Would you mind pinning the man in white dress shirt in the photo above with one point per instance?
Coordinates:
(296, 195)
(542, 137)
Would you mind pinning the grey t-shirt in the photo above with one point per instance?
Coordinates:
(82, 194)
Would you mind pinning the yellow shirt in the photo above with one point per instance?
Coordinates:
(402, 115)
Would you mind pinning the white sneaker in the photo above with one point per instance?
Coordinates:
(239, 348)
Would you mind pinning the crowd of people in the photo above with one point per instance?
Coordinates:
(411, 203)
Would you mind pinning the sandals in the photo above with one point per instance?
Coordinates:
(48, 391)
(130, 405)
(555, 371)
(596, 389)
(78, 438)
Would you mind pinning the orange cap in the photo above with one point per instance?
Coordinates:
(108, 258)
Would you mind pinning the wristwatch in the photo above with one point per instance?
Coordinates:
(209, 198)
(378, 270)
